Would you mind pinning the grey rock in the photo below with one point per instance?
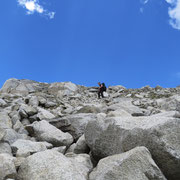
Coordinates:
(18, 161)
(160, 135)
(51, 164)
(2, 133)
(61, 149)
(22, 87)
(5, 148)
(23, 113)
(71, 148)
(78, 123)
(15, 118)
(24, 148)
(44, 114)
(27, 110)
(82, 163)
(42, 100)
(33, 118)
(44, 131)
(118, 113)
(2, 103)
(136, 164)
(11, 136)
(116, 88)
(5, 121)
(65, 87)
(59, 122)
(81, 146)
(49, 104)
(25, 122)
(126, 105)
(89, 109)
(33, 101)
(18, 126)
(7, 167)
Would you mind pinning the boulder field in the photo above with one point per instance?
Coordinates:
(62, 131)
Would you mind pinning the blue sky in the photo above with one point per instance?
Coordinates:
(129, 42)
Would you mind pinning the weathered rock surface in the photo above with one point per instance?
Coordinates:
(160, 135)
(24, 148)
(7, 167)
(78, 123)
(5, 148)
(11, 136)
(2, 133)
(89, 109)
(43, 131)
(51, 164)
(5, 121)
(135, 164)
(81, 146)
(21, 87)
(44, 114)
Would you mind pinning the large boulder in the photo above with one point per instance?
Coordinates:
(51, 164)
(170, 104)
(135, 164)
(82, 162)
(124, 104)
(22, 87)
(24, 148)
(43, 131)
(160, 135)
(5, 121)
(63, 88)
(7, 167)
(78, 123)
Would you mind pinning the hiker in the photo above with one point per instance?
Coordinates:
(101, 89)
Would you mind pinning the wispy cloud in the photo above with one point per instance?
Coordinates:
(144, 1)
(33, 6)
(174, 13)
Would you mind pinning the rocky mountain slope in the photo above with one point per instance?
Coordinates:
(61, 131)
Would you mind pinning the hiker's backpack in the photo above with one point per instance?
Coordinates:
(104, 87)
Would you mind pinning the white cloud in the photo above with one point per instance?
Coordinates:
(144, 1)
(33, 6)
(174, 13)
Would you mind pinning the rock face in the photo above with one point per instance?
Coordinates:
(160, 135)
(135, 164)
(62, 131)
(51, 164)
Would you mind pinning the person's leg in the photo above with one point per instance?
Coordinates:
(99, 94)
(102, 94)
